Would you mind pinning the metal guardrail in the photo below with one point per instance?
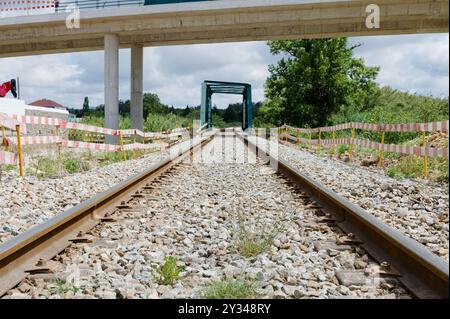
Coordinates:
(62, 5)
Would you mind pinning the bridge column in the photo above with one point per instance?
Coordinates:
(111, 84)
(136, 98)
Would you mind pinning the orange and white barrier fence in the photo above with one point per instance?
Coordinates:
(25, 5)
(18, 124)
(442, 126)
(91, 146)
(393, 148)
(424, 151)
(8, 158)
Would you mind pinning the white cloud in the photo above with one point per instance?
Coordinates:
(414, 63)
(417, 63)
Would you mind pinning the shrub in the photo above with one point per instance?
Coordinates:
(167, 273)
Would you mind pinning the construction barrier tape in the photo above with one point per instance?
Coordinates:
(37, 120)
(10, 123)
(24, 5)
(92, 146)
(64, 124)
(442, 126)
(134, 146)
(400, 149)
(8, 158)
(88, 128)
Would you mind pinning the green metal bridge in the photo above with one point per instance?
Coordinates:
(211, 87)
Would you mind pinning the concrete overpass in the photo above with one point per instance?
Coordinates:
(207, 22)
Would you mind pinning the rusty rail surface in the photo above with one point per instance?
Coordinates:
(423, 273)
(42, 242)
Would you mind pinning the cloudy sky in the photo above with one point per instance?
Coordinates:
(415, 63)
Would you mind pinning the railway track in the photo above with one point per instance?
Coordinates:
(324, 228)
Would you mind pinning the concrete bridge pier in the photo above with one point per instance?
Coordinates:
(136, 96)
(111, 84)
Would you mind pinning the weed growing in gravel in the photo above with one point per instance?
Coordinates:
(6, 168)
(63, 287)
(169, 272)
(71, 165)
(341, 149)
(230, 289)
(250, 241)
(45, 167)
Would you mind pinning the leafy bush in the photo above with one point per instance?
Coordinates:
(169, 272)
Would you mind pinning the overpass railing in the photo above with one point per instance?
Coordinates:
(62, 5)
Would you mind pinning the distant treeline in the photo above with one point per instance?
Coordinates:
(152, 105)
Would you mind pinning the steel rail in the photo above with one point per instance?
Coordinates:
(46, 240)
(423, 273)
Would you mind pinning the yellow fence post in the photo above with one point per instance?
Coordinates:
(320, 139)
(425, 158)
(351, 144)
(3, 138)
(310, 140)
(58, 145)
(19, 150)
(334, 142)
(380, 156)
(124, 155)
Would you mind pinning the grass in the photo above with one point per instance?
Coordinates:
(252, 241)
(230, 289)
(47, 167)
(7, 167)
(413, 167)
(341, 149)
(169, 272)
(64, 287)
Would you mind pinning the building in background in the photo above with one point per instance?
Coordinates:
(49, 104)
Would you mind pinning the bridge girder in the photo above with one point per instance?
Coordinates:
(217, 21)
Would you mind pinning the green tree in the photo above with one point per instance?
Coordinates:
(314, 79)
(85, 105)
(153, 105)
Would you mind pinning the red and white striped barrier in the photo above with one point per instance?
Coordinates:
(24, 5)
(92, 146)
(441, 126)
(34, 140)
(140, 146)
(38, 120)
(88, 128)
(8, 158)
(11, 123)
(400, 149)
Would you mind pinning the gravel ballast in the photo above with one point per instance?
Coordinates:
(28, 201)
(192, 214)
(418, 209)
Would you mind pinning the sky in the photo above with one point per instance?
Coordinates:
(414, 63)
